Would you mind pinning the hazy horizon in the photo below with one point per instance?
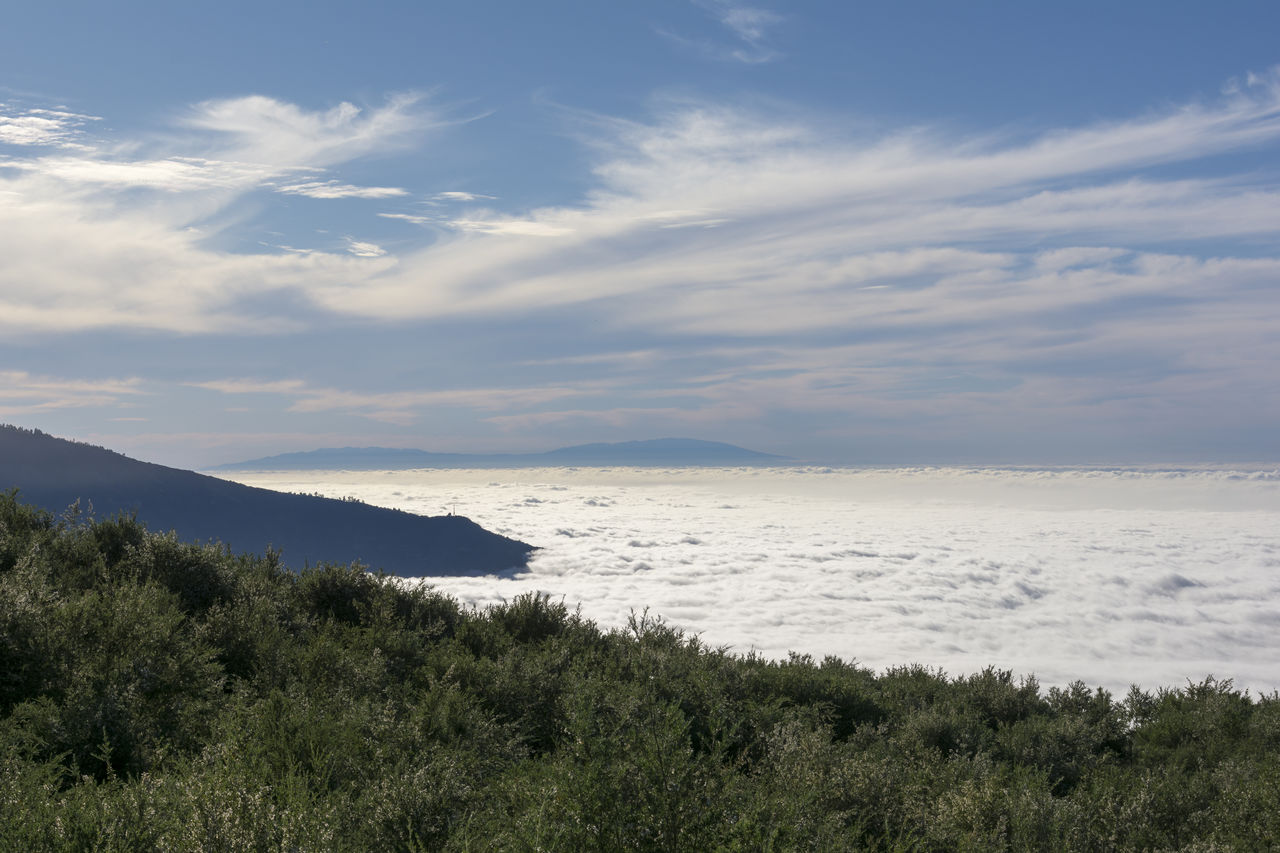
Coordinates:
(1136, 464)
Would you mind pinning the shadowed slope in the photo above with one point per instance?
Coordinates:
(54, 473)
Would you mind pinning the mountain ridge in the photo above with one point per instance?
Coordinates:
(54, 473)
(663, 452)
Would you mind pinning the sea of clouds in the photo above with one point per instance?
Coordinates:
(1112, 577)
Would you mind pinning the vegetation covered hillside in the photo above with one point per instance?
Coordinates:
(156, 695)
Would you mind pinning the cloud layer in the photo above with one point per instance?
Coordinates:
(1113, 577)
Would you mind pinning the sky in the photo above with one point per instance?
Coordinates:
(865, 233)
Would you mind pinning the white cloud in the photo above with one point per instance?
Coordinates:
(253, 386)
(1160, 575)
(946, 257)
(801, 208)
(265, 130)
(408, 217)
(402, 407)
(42, 127)
(456, 195)
(637, 358)
(749, 25)
(72, 264)
(621, 418)
(704, 210)
(515, 227)
(334, 189)
(173, 174)
(102, 238)
(484, 222)
(363, 249)
(24, 394)
(245, 142)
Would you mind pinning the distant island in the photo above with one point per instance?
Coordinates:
(661, 452)
(54, 473)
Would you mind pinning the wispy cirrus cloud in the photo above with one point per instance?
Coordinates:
(399, 407)
(749, 25)
(234, 144)
(515, 227)
(700, 203)
(170, 174)
(23, 394)
(803, 222)
(254, 386)
(413, 218)
(98, 237)
(1096, 269)
(1111, 267)
(336, 189)
(266, 130)
(458, 195)
(57, 128)
(364, 249)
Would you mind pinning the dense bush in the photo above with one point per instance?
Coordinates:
(157, 695)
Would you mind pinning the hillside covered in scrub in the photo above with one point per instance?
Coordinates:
(156, 694)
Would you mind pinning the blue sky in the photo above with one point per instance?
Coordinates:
(908, 232)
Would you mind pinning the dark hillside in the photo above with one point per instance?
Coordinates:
(54, 473)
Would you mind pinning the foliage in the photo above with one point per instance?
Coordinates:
(161, 695)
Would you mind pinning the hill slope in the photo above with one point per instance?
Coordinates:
(663, 452)
(54, 473)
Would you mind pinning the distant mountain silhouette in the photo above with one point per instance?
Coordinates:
(662, 452)
(54, 473)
